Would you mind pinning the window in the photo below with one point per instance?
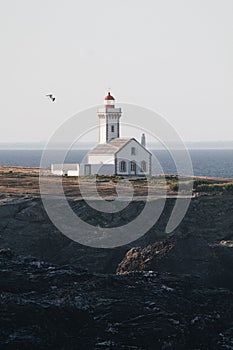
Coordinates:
(112, 128)
(143, 166)
(122, 166)
(132, 166)
(133, 151)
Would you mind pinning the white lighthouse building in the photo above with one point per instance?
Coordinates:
(113, 154)
(109, 120)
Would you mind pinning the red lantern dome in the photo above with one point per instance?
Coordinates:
(109, 97)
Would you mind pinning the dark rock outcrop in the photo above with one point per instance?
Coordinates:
(43, 306)
(194, 248)
(170, 292)
(184, 254)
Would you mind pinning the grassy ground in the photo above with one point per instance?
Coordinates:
(22, 180)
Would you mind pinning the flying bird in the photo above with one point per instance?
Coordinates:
(52, 98)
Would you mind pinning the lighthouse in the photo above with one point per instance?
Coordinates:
(109, 120)
(113, 155)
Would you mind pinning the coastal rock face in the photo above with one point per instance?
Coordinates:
(186, 254)
(31, 318)
(201, 246)
(43, 306)
(170, 292)
(26, 228)
(195, 247)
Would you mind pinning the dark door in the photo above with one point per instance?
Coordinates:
(133, 167)
(87, 169)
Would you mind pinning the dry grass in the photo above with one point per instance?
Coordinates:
(24, 181)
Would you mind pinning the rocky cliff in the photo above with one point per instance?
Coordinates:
(195, 247)
(44, 306)
(170, 292)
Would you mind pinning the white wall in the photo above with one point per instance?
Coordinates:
(100, 169)
(141, 155)
(113, 120)
(105, 169)
(106, 159)
(102, 129)
(79, 169)
(107, 118)
(65, 169)
(73, 173)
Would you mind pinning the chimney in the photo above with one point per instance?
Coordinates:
(143, 140)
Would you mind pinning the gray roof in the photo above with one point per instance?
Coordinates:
(110, 147)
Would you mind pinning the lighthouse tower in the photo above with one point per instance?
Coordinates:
(109, 120)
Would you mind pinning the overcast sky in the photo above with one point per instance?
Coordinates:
(174, 57)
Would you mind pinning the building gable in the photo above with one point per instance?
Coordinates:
(138, 144)
(133, 159)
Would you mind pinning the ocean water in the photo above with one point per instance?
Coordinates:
(216, 163)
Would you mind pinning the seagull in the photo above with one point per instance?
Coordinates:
(52, 98)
